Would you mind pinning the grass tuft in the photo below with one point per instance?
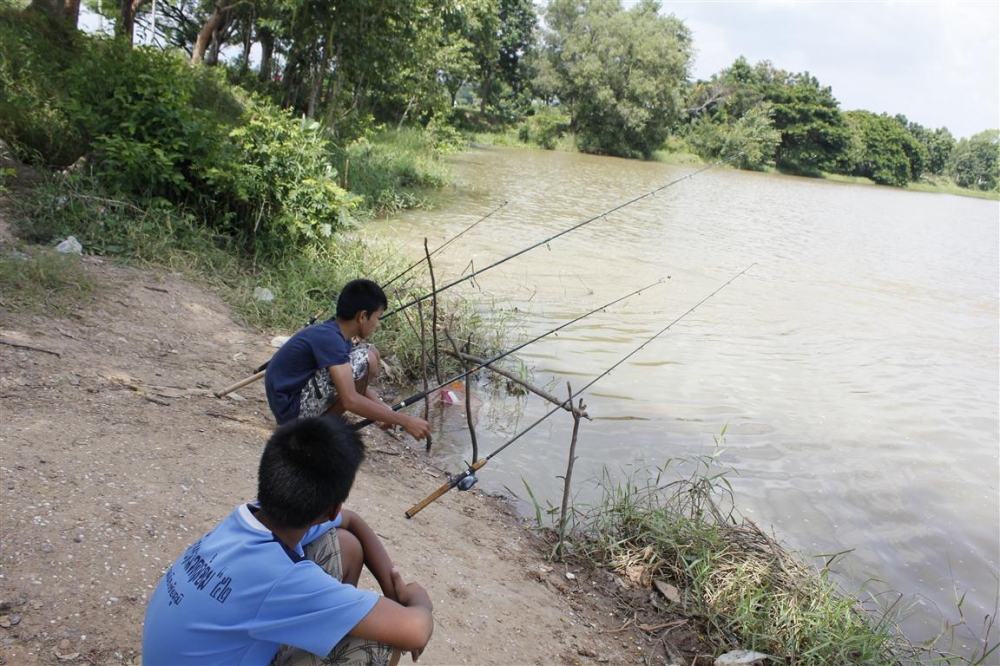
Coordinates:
(40, 280)
(739, 583)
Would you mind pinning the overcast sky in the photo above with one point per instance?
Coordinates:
(937, 63)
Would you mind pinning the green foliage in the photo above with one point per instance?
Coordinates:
(882, 149)
(812, 129)
(752, 135)
(392, 169)
(544, 128)
(137, 106)
(33, 118)
(813, 135)
(77, 205)
(975, 162)
(745, 590)
(619, 72)
(276, 183)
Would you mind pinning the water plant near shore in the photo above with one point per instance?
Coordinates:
(659, 529)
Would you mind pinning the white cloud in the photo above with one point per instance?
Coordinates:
(938, 63)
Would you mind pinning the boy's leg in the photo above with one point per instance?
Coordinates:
(328, 551)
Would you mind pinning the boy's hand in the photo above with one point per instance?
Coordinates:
(416, 427)
(410, 594)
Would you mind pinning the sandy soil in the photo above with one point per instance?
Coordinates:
(115, 455)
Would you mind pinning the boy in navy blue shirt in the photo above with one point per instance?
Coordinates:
(276, 581)
(325, 369)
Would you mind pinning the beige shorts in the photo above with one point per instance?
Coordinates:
(319, 394)
(351, 651)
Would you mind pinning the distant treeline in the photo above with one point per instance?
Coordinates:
(200, 116)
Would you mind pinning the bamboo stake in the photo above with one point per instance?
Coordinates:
(468, 397)
(569, 470)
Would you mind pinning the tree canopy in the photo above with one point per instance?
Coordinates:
(616, 79)
(619, 72)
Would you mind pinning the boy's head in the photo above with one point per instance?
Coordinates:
(360, 296)
(308, 468)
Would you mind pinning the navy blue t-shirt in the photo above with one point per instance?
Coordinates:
(312, 348)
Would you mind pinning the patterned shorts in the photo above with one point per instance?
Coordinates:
(351, 651)
(319, 394)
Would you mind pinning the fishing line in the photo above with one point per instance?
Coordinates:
(263, 367)
(576, 226)
(467, 479)
(423, 394)
(444, 245)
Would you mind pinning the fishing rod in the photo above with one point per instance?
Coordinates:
(416, 397)
(263, 367)
(260, 371)
(444, 245)
(551, 238)
(467, 479)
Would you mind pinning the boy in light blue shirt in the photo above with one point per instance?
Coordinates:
(275, 582)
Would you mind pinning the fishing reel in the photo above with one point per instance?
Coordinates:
(468, 480)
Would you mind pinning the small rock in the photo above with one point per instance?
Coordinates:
(5, 622)
(279, 340)
(741, 658)
(570, 576)
(70, 246)
(669, 591)
(263, 294)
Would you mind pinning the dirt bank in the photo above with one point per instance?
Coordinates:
(115, 455)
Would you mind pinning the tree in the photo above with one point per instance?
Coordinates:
(619, 72)
(813, 135)
(749, 141)
(882, 149)
(974, 162)
(938, 144)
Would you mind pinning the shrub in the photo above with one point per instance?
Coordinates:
(275, 182)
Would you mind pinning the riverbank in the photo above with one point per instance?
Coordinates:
(116, 455)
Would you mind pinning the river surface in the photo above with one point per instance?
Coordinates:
(851, 375)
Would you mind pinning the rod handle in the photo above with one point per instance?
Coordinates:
(448, 485)
(240, 384)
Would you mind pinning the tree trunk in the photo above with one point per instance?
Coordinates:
(205, 35)
(266, 38)
(126, 22)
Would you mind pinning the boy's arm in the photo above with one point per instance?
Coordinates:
(376, 410)
(376, 558)
(406, 625)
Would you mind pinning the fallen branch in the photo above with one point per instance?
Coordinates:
(37, 349)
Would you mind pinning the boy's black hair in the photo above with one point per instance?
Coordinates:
(358, 295)
(307, 468)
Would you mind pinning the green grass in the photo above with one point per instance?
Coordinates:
(42, 281)
(738, 584)
(304, 283)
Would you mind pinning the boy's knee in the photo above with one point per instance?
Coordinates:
(352, 556)
(374, 361)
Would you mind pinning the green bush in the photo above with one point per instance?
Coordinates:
(33, 117)
(392, 168)
(137, 107)
(275, 182)
(545, 128)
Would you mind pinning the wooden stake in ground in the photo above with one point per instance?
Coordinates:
(569, 468)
